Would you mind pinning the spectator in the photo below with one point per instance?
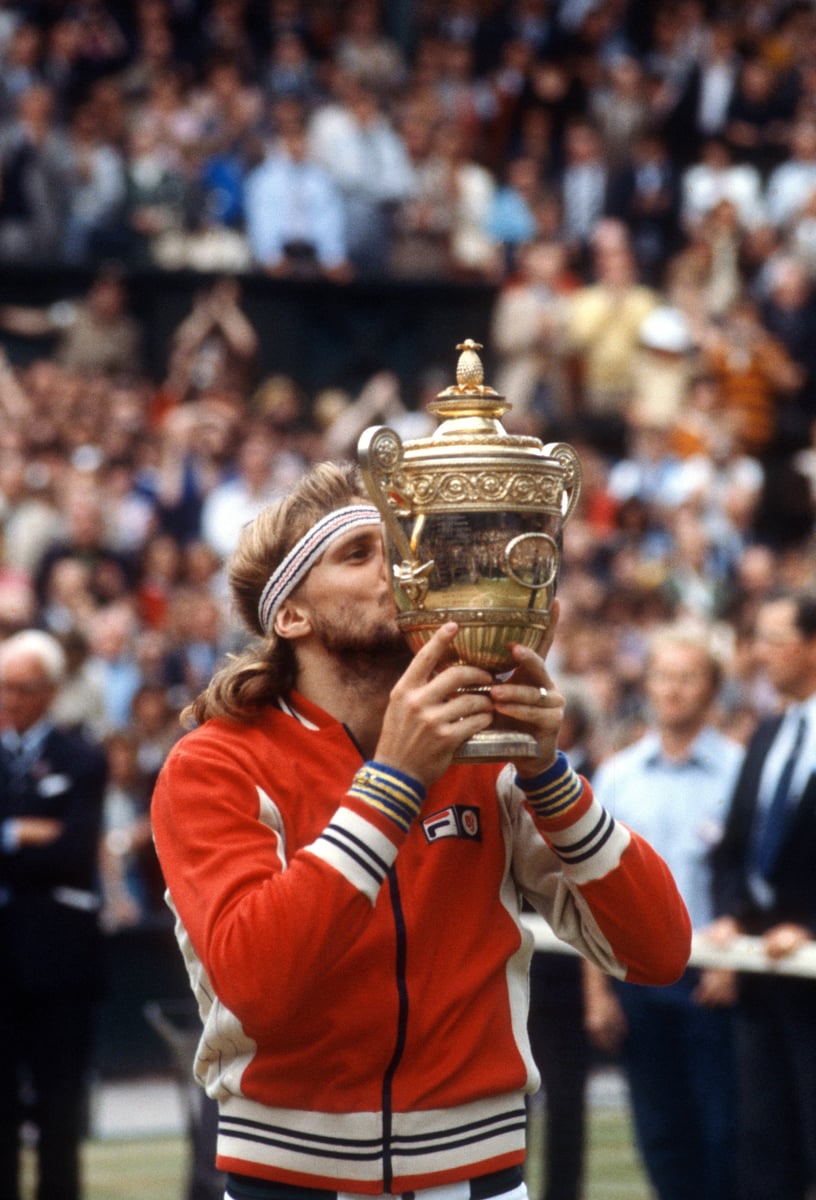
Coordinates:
(111, 662)
(763, 885)
(662, 369)
(290, 72)
(66, 600)
(645, 194)
(155, 197)
(198, 440)
(28, 510)
(95, 333)
(263, 473)
(792, 183)
(470, 190)
(702, 108)
(160, 572)
(718, 176)
(295, 212)
(80, 701)
(363, 51)
(510, 221)
(103, 47)
(604, 319)
(353, 139)
(527, 334)
(155, 726)
(96, 190)
(753, 370)
(758, 117)
(60, 66)
(33, 178)
(20, 64)
(109, 573)
(422, 223)
(583, 187)
(53, 785)
(198, 638)
(674, 784)
(229, 111)
(620, 110)
(153, 58)
(126, 834)
(556, 1021)
(788, 314)
(215, 347)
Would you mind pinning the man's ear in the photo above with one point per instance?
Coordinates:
(292, 621)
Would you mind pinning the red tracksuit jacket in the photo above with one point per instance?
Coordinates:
(363, 991)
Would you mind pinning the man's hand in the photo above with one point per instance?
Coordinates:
(722, 931)
(785, 939)
(428, 717)
(604, 1020)
(531, 702)
(717, 988)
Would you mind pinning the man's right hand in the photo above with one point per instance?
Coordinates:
(428, 718)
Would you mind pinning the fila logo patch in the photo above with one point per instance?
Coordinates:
(460, 820)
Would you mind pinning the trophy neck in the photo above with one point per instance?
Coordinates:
(469, 412)
(471, 425)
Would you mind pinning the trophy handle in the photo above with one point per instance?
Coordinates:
(379, 453)
(566, 456)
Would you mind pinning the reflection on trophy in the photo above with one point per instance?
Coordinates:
(473, 519)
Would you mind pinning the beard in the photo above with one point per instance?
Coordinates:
(366, 653)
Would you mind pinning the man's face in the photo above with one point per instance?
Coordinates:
(26, 692)
(679, 685)
(349, 600)
(788, 659)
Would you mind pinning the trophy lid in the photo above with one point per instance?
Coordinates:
(470, 396)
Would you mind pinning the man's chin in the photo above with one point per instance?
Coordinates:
(389, 646)
(383, 646)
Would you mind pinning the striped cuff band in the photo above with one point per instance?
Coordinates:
(554, 791)
(397, 796)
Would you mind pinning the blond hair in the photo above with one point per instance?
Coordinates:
(266, 669)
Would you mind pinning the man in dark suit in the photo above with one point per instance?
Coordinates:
(51, 794)
(765, 885)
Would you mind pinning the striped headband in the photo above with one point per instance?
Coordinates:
(305, 553)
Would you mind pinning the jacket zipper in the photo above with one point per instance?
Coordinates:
(402, 1027)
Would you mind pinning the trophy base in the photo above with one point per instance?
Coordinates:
(497, 746)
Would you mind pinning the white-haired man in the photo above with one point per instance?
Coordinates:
(51, 791)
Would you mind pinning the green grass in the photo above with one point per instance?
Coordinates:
(612, 1170)
(155, 1168)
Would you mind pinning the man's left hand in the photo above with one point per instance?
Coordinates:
(784, 939)
(531, 701)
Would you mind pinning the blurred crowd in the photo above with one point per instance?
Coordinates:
(405, 137)
(637, 181)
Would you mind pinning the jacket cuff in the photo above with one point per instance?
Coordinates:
(391, 792)
(554, 794)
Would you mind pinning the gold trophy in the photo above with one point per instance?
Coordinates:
(473, 519)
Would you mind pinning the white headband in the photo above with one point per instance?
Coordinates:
(305, 553)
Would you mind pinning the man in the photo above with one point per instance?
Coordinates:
(294, 210)
(51, 793)
(765, 885)
(352, 137)
(348, 901)
(95, 333)
(673, 785)
(602, 337)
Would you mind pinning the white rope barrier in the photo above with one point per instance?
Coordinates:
(742, 954)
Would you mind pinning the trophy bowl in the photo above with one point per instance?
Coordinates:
(473, 520)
